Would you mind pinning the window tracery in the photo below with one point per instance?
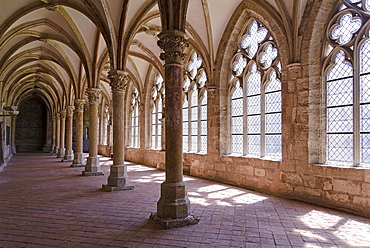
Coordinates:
(156, 123)
(347, 73)
(195, 106)
(134, 141)
(256, 95)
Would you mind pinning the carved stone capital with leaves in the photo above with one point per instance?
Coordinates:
(70, 109)
(173, 44)
(93, 94)
(63, 114)
(79, 105)
(118, 80)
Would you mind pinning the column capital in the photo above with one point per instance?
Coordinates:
(79, 105)
(93, 94)
(118, 80)
(63, 114)
(173, 43)
(57, 116)
(70, 109)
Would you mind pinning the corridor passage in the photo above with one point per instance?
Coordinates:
(46, 203)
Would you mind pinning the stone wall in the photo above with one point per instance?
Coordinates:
(347, 189)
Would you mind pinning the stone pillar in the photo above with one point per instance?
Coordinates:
(53, 135)
(13, 149)
(78, 159)
(68, 156)
(92, 167)
(62, 149)
(173, 206)
(57, 133)
(104, 129)
(118, 179)
(109, 135)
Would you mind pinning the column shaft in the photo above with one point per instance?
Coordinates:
(62, 148)
(53, 135)
(118, 179)
(78, 160)
(57, 134)
(14, 121)
(173, 206)
(68, 156)
(92, 167)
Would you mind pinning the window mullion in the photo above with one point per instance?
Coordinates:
(356, 111)
(198, 124)
(245, 119)
(263, 123)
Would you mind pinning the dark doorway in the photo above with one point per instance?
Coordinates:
(31, 126)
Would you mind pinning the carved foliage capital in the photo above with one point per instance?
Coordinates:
(118, 80)
(173, 45)
(93, 94)
(79, 105)
(70, 110)
(63, 114)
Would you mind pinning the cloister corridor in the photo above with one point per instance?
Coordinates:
(46, 203)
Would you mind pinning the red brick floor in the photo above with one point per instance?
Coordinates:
(46, 203)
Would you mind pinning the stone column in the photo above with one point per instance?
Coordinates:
(79, 160)
(53, 135)
(57, 133)
(92, 167)
(109, 135)
(118, 179)
(62, 149)
(104, 129)
(13, 149)
(68, 156)
(173, 206)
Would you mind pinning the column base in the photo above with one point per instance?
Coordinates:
(55, 151)
(61, 152)
(174, 223)
(68, 156)
(117, 188)
(173, 203)
(77, 165)
(79, 160)
(91, 174)
(118, 179)
(92, 167)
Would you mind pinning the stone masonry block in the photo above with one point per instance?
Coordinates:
(367, 176)
(365, 189)
(260, 172)
(246, 170)
(291, 178)
(365, 202)
(307, 191)
(338, 197)
(220, 166)
(345, 186)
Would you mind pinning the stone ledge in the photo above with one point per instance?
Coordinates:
(174, 223)
(97, 173)
(118, 188)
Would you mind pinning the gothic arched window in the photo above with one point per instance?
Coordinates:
(347, 73)
(195, 106)
(134, 141)
(157, 98)
(255, 92)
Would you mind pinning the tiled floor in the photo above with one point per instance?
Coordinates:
(46, 203)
